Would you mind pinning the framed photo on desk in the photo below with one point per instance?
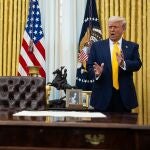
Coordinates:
(73, 97)
(86, 95)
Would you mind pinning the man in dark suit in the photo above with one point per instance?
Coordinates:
(113, 62)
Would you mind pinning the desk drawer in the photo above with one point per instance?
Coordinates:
(67, 137)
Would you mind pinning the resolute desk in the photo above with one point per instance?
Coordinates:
(116, 132)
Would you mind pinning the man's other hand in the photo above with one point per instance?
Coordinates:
(98, 69)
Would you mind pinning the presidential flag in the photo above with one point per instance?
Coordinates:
(32, 50)
(91, 32)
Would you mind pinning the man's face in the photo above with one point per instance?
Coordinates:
(116, 30)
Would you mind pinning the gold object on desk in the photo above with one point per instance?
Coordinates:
(34, 71)
(48, 89)
(86, 95)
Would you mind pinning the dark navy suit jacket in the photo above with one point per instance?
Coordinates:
(102, 88)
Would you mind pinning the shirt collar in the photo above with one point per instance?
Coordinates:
(120, 41)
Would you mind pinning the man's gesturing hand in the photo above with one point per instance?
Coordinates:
(98, 69)
(120, 59)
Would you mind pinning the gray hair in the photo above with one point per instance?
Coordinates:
(118, 19)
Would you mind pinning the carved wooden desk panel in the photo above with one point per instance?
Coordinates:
(116, 132)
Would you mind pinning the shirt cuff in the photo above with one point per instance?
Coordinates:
(97, 77)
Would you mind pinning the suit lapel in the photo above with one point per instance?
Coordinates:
(124, 47)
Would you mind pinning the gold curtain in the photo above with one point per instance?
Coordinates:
(137, 14)
(13, 14)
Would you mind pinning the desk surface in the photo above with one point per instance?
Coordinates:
(113, 120)
(116, 131)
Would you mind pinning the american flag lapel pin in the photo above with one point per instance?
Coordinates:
(126, 46)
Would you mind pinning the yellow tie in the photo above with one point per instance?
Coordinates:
(115, 65)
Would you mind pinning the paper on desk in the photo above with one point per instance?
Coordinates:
(61, 114)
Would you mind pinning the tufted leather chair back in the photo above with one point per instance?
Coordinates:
(22, 93)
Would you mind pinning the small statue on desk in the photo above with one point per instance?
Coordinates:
(60, 83)
(60, 80)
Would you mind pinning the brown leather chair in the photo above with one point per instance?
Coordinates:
(22, 93)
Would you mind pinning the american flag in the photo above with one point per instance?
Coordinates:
(83, 56)
(32, 50)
